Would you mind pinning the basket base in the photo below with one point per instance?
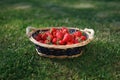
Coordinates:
(60, 57)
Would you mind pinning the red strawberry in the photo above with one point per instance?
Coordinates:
(83, 38)
(72, 41)
(47, 42)
(77, 40)
(44, 36)
(49, 37)
(37, 38)
(53, 30)
(48, 33)
(39, 35)
(41, 41)
(66, 37)
(59, 35)
(78, 33)
(73, 36)
(54, 34)
(69, 43)
(54, 41)
(64, 30)
(61, 42)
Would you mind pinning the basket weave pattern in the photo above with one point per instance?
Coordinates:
(58, 51)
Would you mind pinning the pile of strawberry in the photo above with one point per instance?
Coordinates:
(60, 36)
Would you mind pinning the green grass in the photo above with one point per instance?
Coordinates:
(19, 59)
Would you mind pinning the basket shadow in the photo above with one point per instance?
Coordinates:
(92, 61)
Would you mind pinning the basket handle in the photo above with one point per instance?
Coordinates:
(90, 32)
(29, 30)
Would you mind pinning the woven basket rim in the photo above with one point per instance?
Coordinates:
(60, 46)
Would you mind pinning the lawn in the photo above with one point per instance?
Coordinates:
(19, 59)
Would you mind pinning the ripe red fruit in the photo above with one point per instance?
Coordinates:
(47, 42)
(69, 43)
(83, 38)
(54, 40)
(78, 33)
(39, 35)
(53, 30)
(77, 40)
(66, 37)
(37, 38)
(73, 36)
(70, 38)
(44, 36)
(54, 34)
(59, 35)
(41, 41)
(48, 33)
(64, 30)
(49, 37)
(72, 41)
(61, 42)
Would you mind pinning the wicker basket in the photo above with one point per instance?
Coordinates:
(59, 51)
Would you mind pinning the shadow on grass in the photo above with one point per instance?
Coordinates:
(95, 63)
